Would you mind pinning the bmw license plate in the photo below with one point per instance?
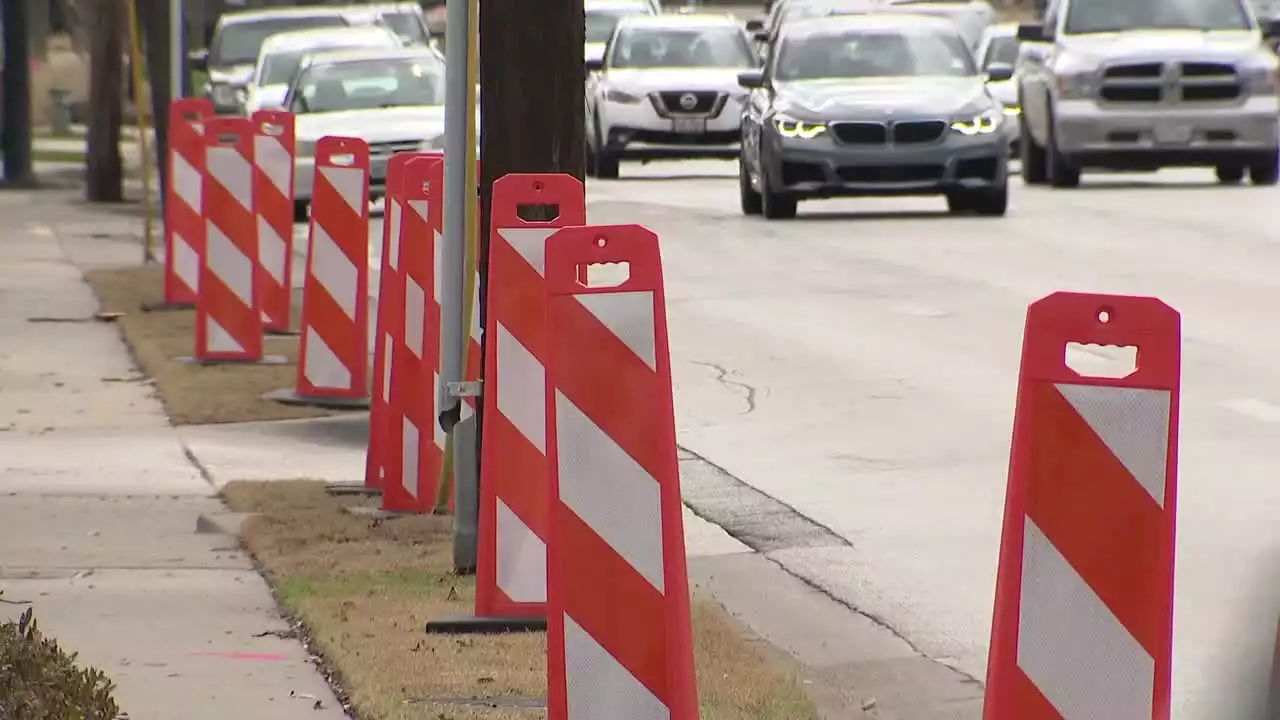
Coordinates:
(689, 126)
(1172, 133)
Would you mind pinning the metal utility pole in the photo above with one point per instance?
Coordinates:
(156, 22)
(16, 110)
(177, 57)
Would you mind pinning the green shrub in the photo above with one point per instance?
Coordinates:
(40, 681)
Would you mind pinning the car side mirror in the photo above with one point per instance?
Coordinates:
(1032, 32)
(595, 65)
(761, 36)
(999, 72)
(755, 24)
(751, 79)
(199, 59)
(1270, 28)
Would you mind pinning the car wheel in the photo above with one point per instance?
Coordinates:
(991, 202)
(1061, 173)
(1031, 155)
(1229, 174)
(959, 201)
(606, 165)
(1266, 170)
(773, 205)
(300, 208)
(752, 203)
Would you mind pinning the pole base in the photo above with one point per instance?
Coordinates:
(264, 360)
(167, 307)
(289, 396)
(471, 625)
(351, 488)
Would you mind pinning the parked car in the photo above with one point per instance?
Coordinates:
(867, 105)
(282, 54)
(392, 99)
(602, 17)
(998, 54)
(405, 19)
(666, 88)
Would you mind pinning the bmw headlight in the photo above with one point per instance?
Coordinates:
(789, 127)
(615, 95)
(983, 123)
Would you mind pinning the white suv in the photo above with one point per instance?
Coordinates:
(667, 87)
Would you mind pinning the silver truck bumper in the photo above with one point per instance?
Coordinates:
(1083, 128)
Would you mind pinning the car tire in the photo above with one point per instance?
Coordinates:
(1266, 170)
(959, 201)
(773, 205)
(1060, 171)
(300, 211)
(606, 163)
(1229, 174)
(752, 202)
(1032, 156)
(991, 202)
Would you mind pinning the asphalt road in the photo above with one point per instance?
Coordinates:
(858, 365)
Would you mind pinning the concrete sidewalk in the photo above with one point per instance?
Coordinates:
(99, 500)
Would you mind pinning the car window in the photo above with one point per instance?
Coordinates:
(602, 21)
(1099, 16)
(239, 43)
(407, 25)
(368, 84)
(1002, 50)
(873, 53)
(682, 47)
(277, 68)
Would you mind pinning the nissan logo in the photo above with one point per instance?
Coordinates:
(688, 101)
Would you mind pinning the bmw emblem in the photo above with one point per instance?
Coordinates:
(688, 101)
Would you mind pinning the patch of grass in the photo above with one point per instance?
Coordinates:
(193, 394)
(55, 156)
(365, 588)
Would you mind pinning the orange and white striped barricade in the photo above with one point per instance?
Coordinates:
(1083, 621)
(228, 315)
(511, 564)
(389, 325)
(415, 440)
(619, 636)
(183, 205)
(333, 364)
(273, 156)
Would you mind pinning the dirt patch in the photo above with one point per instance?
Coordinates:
(364, 589)
(193, 394)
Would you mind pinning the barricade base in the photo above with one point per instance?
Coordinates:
(290, 396)
(264, 360)
(351, 488)
(472, 625)
(166, 306)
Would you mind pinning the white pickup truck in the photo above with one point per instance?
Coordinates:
(1146, 84)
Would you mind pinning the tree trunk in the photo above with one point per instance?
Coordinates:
(104, 170)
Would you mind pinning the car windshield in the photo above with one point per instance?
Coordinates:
(239, 43)
(602, 21)
(407, 25)
(874, 53)
(278, 68)
(1101, 16)
(1002, 50)
(369, 84)
(725, 47)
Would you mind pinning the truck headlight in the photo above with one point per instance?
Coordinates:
(789, 127)
(983, 123)
(1074, 86)
(1261, 79)
(615, 95)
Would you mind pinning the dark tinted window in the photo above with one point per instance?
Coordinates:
(874, 53)
(1098, 16)
(1002, 50)
(239, 43)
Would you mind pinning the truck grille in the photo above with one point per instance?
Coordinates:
(1152, 83)
(905, 132)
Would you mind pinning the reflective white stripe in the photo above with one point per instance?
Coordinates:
(218, 339)
(275, 162)
(230, 170)
(349, 184)
(321, 366)
(609, 491)
(231, 266)
(186, 262)
(394, 220)
(271, 250)
(521, 389)
(435, 410)
(335, 272)
(187, 181)
(438, 251)
(531, 243)
(522, 559)
(599, 687)
(475, 314)
(409, 455)
(388, 349)
(415, 313)
(629, 315)
(1134, 424)
(1070, 645)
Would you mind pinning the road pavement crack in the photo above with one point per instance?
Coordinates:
(749, 392)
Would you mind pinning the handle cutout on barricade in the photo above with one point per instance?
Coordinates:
(342, 159)
(538, 212)
(192, 116)
(604, 275)
(1101, 361)
(228, 138)
(272, 129)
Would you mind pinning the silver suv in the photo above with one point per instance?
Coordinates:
(1146, 84)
